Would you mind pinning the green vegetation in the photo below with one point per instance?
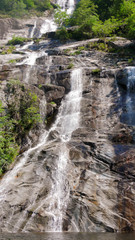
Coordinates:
(63, 34)
(98, 18)
(61, 17)
(93, 18)
(96, 71)
(23, 107)
(19, 8)
(130, 60)
(17, 40)
(71, 65)
(12, 61)
(100, 45)
(20, 116)
(8, 146)
(7, 50)
(53, 103)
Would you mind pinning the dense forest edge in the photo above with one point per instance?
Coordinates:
(21, 8)
(97, 18)
(91, 18)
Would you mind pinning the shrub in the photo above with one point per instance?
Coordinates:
(63, 34)
(23, 108)
(8, 147)
(71, 65)
(17, 40)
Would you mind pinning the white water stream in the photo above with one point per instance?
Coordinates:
(67, 5)
(49, 25)
(67, 121)
(33, 30)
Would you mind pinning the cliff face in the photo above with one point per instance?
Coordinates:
(81, 175)
(10, 27)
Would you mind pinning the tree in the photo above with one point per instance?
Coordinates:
(84, 10)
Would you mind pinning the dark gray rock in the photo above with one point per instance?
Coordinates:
(121, 77)
(53, 92)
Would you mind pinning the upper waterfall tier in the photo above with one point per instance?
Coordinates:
(67, 5)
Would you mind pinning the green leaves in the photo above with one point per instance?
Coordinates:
(8, 146)
(84, 10)
(21, 115)
(61, 17)
(18, 8)
(17, 40)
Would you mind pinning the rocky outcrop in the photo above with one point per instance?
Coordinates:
(99, 182)
(20, 27)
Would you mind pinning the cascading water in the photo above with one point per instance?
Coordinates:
(67, 121)
(33, 30)
(67, 5)
(128, 99)
(30, 62)
(131, 77)
(49, 25)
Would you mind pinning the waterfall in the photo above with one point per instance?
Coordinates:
(30, 62)
(128, 97)
(67, 5)
(68, 120)
(49, 25)
(33, 30)
(130, 78)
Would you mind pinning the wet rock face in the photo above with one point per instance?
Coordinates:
(23, 27)
(126, 78)
(53, 92)
(98, 187)
(122, 77)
